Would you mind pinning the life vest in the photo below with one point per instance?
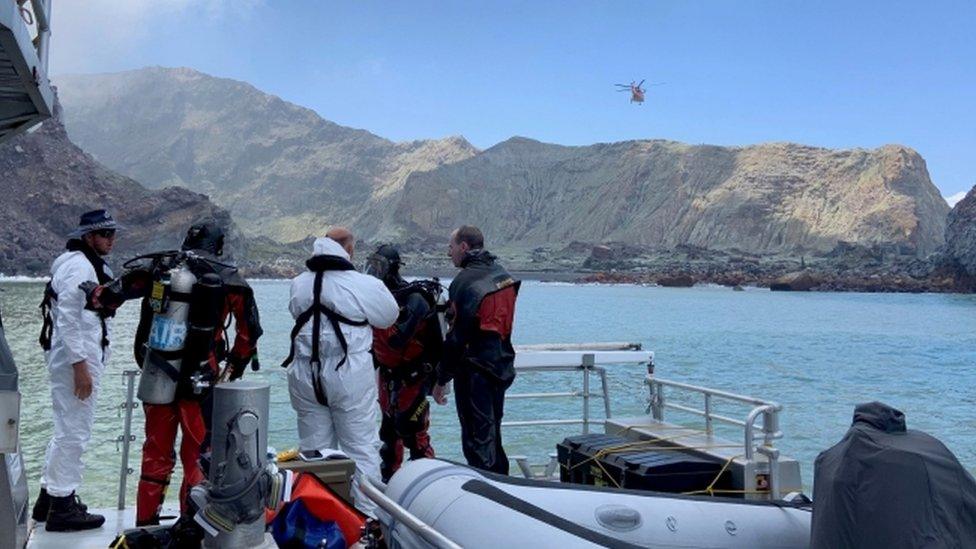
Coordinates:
(325, 505)
(319, 265)
(479, 278)
(424, 347)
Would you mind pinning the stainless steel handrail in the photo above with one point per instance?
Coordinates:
(768, 409)
(374, 491)
(586, 367)
(126, 437)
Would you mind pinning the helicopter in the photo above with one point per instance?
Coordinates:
(636, 90)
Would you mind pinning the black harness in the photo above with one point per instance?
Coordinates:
(319, 265)
(50, 296)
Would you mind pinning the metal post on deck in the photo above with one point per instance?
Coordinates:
(606, 391)
(657, 401)
(588, 361)
(127, 436)
(708, 413)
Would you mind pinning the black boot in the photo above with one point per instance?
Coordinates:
(69, 514)
(41, 506)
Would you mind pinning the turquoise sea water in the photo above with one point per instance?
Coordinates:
(816, 353)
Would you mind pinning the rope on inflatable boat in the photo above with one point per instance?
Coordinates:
(655, 445)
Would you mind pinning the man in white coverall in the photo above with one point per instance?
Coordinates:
(76, 341)
(331, 378)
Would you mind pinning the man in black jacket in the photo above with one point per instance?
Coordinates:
(478, 352)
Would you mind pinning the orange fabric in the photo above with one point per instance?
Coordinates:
(391, 357)
(244, 343)
(326, 505)
(158, 459)
(497, 312)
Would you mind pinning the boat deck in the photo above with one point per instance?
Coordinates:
(115, 522)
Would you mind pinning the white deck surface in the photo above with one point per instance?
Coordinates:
(115, 521)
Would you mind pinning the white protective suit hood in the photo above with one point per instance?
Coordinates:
(326, 246)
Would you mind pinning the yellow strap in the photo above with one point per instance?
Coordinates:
(710, 489)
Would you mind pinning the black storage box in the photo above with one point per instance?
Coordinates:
(640, 468)
(574, 454)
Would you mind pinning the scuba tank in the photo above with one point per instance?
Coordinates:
(441, 307)
(207, 301)
(170, 301)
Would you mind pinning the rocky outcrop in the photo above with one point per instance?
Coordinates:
(800, 281)
(47, 182)
(282, 170)
(767, 199)
(961, 240)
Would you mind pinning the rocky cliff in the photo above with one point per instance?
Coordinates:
(766, 199)
(47, 182)
(281, 169)
(961, 239)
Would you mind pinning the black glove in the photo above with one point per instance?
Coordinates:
(237, 365)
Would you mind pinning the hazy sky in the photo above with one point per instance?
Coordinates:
(833, 74)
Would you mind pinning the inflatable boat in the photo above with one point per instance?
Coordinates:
(478, 509)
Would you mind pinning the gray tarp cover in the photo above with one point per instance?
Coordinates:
(885, 486)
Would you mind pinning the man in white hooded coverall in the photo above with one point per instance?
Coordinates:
(76, 339)
(335, 394)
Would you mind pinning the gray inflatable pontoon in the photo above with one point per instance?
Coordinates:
(475, 509)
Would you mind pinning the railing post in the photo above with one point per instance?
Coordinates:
(708, 413)
(606, 391)
(127, 437)
(657, 400)
(588, 361)
(770, 426)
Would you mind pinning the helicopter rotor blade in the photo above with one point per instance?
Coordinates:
(641, 83)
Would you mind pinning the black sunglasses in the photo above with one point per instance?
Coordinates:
(105, 233)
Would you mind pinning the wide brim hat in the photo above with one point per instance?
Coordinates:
(94, 220)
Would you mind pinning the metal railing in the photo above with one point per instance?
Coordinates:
(126, 438)
(587, 359)
(583, 358)
(577, 357)
(375, 491)
(766, 409)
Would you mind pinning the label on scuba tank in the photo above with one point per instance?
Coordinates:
(157, 297)
(166, 334)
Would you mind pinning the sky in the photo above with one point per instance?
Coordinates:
(835, 74)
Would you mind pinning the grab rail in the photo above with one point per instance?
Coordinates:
(586, 358)
(574, 357)
(126, 438)
(768, 409)
(373, 490)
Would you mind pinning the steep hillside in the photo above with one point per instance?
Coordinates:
(47, 182)
(282, 170)
(961, 237)
(775, 198)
